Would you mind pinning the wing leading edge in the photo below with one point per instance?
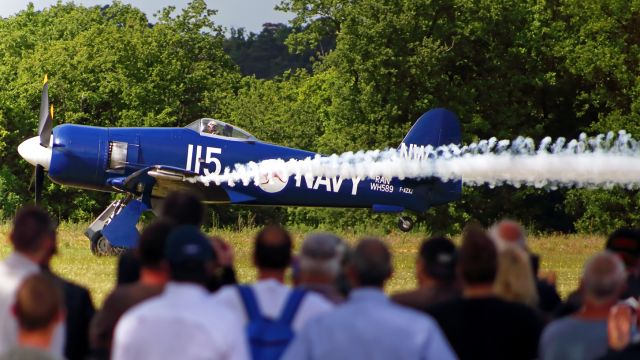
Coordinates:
(167, 179)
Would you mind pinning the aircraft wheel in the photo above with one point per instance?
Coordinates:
(100, 246)
(405, 223)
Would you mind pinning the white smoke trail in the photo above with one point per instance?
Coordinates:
(601, 161)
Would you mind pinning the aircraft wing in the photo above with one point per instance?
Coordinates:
(167, 179)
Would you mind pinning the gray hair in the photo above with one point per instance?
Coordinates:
(322, 254)
(603, 277)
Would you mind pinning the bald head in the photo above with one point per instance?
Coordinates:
(603, 278)
(272, 248)
(371, 263)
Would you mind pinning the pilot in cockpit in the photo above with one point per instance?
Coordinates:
(212, 128)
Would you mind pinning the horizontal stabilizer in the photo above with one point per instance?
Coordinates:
(389, 209)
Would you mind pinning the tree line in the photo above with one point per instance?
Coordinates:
(344, 75)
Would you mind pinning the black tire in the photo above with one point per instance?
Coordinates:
(405, 223)
(100, 246)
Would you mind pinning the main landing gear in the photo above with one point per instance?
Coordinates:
(100, 246)
(115, 229)
(405, 223)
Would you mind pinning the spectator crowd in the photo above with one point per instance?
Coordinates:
(177, 297)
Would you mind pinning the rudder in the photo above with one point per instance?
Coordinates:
(436, 127)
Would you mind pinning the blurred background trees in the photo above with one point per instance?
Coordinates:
(344, 75)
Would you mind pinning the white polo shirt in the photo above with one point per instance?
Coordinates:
(271, 296)
(13, 270)
(181, 323)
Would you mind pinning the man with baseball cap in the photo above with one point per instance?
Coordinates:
(436, 275)
(182, 323)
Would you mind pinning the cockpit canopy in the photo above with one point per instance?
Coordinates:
(213, 127)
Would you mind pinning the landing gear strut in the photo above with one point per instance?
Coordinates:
(405, 223)
(100, 246)
(115, 229)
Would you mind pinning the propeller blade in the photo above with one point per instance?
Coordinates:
(45, 123)
(33, 180)
(39, 182)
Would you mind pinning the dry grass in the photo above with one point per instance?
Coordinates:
(563, 254)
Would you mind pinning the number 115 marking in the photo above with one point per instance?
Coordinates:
(208, 159)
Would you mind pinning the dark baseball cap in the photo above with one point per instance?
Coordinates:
(626, 243)
(440, 256)
(186, 243)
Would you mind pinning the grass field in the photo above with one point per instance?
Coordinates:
(563, 254)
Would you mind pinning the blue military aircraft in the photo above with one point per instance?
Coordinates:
(146, 164)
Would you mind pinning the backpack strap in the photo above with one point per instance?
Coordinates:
(293, 303)
(250, 303)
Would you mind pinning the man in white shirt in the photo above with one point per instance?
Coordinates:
(39, 309)
(272, 256)
(370, 326)
(182, 323)
(33, 241)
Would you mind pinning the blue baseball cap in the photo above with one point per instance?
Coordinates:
(186, 243)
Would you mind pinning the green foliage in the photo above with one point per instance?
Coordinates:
(74, 205)
(108, 67)
(357, 76)
(9, 199)
(288, 110)
(266, 55)
(507, 68)
(602, 211)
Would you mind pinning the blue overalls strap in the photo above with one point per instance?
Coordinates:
(249, 300)
(290, 309)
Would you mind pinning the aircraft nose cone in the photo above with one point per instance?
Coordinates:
(34, 153)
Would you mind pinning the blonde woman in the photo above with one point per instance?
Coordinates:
(515, 280)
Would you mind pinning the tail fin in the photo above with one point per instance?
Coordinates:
(436, 127)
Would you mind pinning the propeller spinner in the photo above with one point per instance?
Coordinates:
(37, 150)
